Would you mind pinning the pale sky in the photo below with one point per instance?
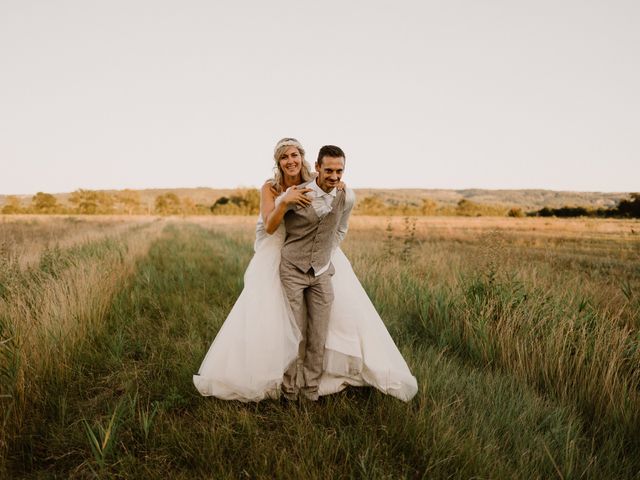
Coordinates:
(511, 94)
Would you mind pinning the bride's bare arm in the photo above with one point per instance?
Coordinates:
(271, 214)
(267, 204)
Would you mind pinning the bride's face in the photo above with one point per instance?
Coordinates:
(290, 161)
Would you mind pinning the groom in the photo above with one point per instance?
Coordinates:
(312, 233)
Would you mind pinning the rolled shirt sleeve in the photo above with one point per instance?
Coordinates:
(343, 223)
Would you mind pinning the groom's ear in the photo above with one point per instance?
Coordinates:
(317, 167)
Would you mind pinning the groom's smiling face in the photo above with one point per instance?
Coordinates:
(330, 171)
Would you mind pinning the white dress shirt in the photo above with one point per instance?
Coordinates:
(322, 202)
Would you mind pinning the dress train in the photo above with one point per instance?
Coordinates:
(259, 339)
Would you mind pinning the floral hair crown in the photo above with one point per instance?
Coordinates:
(288, 142)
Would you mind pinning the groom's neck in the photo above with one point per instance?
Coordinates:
(325, 188)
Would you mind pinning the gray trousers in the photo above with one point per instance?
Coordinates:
(311, 299)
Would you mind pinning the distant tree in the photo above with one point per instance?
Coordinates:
(106, 203)
(515, 212)
(428, 207)
(202, 209)
(629, 207)
(545, 212)
(566, 212)
(84, 201)
(91, 202)
(168, 204)
(407, 208)
(44, 203)
(12, 205)
(129, 200)
(467, 208)
(188, 206)
(251, 201)
(243, 202)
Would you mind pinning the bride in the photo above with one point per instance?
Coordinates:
(259, 339)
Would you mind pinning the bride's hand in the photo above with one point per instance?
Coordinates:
(297, 196)
(341, 185)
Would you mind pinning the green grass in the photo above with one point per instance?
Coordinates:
(125, 405)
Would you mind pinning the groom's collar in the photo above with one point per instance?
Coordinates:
(314, 185)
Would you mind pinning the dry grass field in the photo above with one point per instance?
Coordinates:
(25, 237)
(523, 333)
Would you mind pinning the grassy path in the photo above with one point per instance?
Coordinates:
(129, 409)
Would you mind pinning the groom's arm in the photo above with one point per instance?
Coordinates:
(343, 223)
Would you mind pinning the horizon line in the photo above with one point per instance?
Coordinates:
(246, 187)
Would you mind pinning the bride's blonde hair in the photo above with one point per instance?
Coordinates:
(278, 176)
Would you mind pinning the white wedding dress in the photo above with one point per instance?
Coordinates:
(259, 339)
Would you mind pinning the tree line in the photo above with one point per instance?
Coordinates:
(130, 202)
(625, 208)
(247, 202)
(373, 205)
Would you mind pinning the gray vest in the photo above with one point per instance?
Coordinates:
(310, 238)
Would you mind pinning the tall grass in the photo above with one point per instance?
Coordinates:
(47, 310)
(569, 329)
(525, 347)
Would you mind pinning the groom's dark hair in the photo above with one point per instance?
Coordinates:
(330, 151)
